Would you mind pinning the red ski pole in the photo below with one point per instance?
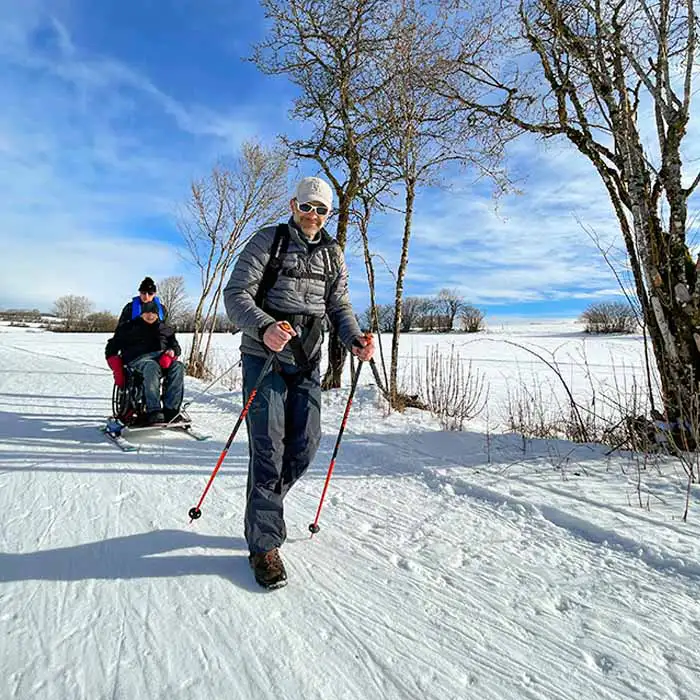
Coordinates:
(196, 512)
(314, 526)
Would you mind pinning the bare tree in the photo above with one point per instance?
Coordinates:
(610, 317)
(429, 312)
(412, 307)
(450, 303)
(379, 319)
(72, 309)
(471, 319)
(364, 319)
(224, 210)
(373, 117)
(223, 324)
(171, 291)
(328, 49)
(385, 315)
(187, 322)
(368, 203)
(604, 71)
(422, 133)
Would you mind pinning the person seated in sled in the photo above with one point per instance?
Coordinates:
(147, 292)
(148, 346)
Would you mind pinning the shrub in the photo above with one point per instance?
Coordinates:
(471, 319)
(609, 317)
(451, 391)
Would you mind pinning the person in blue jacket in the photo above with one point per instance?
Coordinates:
(147, 292)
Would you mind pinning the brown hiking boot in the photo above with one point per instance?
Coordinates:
(268, 569)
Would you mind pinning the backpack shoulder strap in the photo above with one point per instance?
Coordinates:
(331, 262)
(271, 272)
(159, 305)
(135, 307)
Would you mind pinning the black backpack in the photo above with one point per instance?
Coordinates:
(312, 324)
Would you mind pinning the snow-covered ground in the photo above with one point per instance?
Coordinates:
(448, 565)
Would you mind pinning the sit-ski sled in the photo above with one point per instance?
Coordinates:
(114, 430)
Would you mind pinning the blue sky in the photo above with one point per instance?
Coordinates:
(110, 109)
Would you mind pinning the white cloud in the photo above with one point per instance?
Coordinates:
(530, 248)
(106, 271)
(89, 203)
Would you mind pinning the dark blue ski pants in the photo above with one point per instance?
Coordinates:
(173, 382)
(284, 431)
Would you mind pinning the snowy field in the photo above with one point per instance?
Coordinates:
(448, 566)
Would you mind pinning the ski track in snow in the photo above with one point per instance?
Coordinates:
(586, 528)
(430, 578)
(466, 581)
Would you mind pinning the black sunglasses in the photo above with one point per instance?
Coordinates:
(320, 209)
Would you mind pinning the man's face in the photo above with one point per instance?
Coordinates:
(149, 316)
(147, 296)
(310, 222)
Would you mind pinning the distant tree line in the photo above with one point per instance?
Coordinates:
(18, 317)
(443, 313)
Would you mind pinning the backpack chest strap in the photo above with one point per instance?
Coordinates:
(302, 348)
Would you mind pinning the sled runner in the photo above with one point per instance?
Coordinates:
(115, 431)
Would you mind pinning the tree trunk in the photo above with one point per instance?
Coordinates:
(336, 351)
(195, 367)
(382, 382)
(336, 361)
(398, 300)
(666, 274)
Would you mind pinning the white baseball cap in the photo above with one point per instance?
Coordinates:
(314, 189)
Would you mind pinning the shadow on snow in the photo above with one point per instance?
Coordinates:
(133, 557)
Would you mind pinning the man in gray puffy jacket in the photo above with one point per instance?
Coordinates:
(285, 282)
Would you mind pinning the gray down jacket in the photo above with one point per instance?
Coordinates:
(291, 294)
